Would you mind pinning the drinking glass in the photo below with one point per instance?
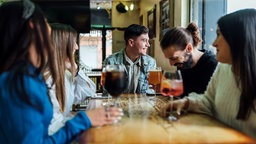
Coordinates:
(172, 86)
(154, 78)
(102, 78)
(115, 81)
(102, 83)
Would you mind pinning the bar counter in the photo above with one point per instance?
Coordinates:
(141, 123)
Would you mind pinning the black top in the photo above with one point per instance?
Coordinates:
(196, 78)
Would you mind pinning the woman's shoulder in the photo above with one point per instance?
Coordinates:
(224, 66)
(223, 69)
(36, 87)
(30, 88)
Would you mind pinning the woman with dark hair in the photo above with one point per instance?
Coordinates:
(25, 107)
(231, 94)
(180, 45)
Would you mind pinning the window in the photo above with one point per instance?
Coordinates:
(234, 5)
(207, 12)
(91, 51)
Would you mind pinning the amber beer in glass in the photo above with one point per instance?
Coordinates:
(154, 78)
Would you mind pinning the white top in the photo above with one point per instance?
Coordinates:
(133, 71)
(76, 92)
(221, 100)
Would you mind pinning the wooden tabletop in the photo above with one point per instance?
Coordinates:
(142, 124)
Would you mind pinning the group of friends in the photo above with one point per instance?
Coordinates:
(40, 80)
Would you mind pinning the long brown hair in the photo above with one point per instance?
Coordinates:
(64, 38)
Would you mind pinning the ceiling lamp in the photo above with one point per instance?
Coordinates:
(98, 6)
(121, 8)
(126, 8)
(132, 7)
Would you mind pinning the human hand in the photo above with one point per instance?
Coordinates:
(104, 115)
(178, 105)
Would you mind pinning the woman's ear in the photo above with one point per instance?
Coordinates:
(189, 48)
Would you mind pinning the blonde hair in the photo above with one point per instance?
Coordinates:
(64, 38)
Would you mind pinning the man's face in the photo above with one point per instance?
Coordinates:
(140, 44)
(179, 58)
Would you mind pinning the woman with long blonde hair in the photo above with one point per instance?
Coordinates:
(73, 81)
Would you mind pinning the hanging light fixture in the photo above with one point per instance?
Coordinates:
(98, 6)
(126, 8)
(121, 8)
(132, 6)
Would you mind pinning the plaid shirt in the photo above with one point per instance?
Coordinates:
(147, 63)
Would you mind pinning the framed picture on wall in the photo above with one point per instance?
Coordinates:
(152, 22)
(166, 16)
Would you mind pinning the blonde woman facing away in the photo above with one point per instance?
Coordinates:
(73, 81)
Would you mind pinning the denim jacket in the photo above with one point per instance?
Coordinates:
(147, 63)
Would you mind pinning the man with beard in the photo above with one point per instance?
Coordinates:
(135, 59)
(180, 46)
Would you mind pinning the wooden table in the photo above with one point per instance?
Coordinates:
(142, 124)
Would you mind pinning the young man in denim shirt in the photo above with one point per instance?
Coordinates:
(135, 59)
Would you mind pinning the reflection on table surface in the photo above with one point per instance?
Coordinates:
(141, 123)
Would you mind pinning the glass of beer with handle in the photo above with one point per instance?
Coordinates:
(154, 78)
(172, 86)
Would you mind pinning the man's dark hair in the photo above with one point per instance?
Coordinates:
(133, 31)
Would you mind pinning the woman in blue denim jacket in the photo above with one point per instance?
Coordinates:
(135, 59)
